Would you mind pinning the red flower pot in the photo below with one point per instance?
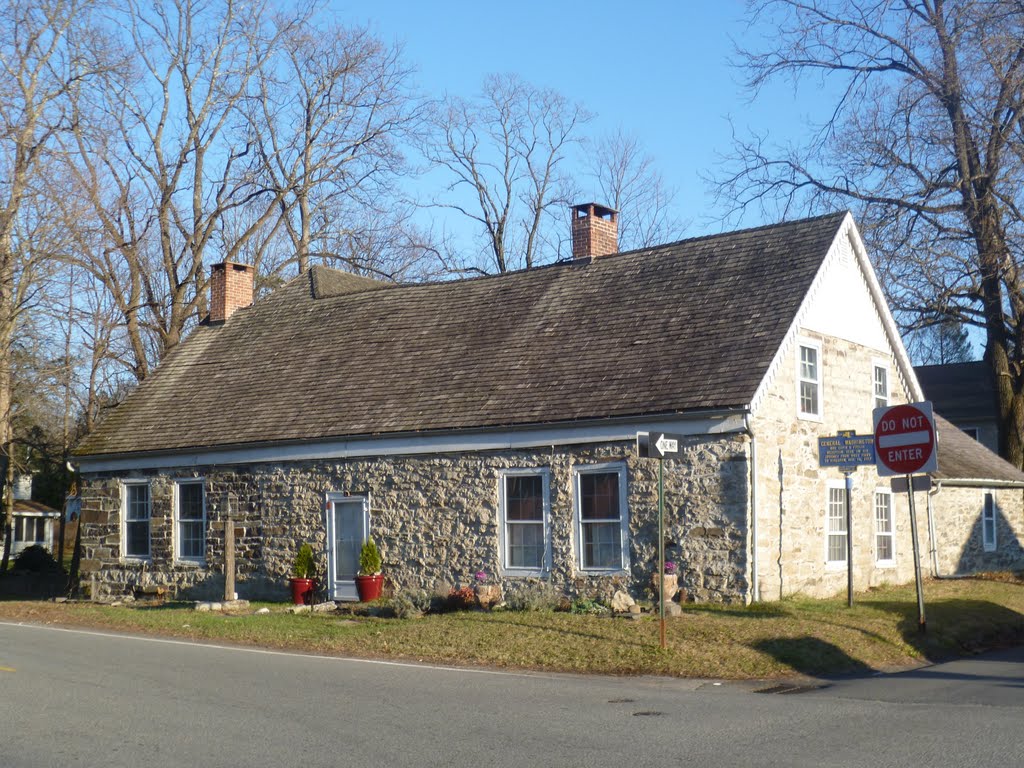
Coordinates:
(302, 591)
(369, 587)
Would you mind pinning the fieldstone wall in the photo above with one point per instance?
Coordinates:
(957, 515)
(435, 518)
(792, 489)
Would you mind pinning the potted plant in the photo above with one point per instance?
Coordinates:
(303, 579)
(487, 595)
(369, 580)
(671, 580)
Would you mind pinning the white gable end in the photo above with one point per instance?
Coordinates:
(842, 305)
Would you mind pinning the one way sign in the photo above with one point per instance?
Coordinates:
(657, 445)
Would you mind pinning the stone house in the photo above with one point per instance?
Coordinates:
(490, 424)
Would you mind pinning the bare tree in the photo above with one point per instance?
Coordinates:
(161, 154)
(504, 155)
(330, 111)
(924, 139)
(39, 63)
(629, 182)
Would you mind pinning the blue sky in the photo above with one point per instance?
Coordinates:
(659, 70)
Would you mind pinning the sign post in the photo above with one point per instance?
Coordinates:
(904, 444)
(847, 450)
(657, 445)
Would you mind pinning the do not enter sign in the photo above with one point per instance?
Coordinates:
(905, 439)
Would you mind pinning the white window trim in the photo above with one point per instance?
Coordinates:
(125, 557)
(985, 543)
(816, 345)
(176, 529)
(882, 491)
(834, 565)
(884, 365)
(504, 568)
(586, 469)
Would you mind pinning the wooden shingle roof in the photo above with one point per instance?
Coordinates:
(684, 326)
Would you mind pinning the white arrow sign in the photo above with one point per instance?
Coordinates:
(666, 445)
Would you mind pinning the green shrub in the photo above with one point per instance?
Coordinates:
(305, 563)
(36, 559)
(587, 605)
(407, 605)
(369, 559)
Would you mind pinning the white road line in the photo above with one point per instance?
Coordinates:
(266, 652)
(907, 438)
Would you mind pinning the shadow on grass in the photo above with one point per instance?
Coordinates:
(507, 618)
(956, 626)
(752, 611)
(811, 656)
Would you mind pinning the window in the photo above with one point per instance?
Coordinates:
(190, 516)
(809, 379)
(836, 525)
(988, 523)
(524, 520)
(135, 536)
(971, 432)
(881, 385)
(29, 530)
(601, 516)
(885, 552)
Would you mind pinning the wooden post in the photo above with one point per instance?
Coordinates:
(229, 549)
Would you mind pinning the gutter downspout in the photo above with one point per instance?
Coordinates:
(936, 487)
(755, 585)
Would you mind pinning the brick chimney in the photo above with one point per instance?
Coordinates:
(595, 230)
(230, 289)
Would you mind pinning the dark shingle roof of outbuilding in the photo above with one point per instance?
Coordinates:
(678, 327)
(961, 457)
(961, 391)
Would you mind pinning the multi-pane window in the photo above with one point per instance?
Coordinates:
(29, 530)
(137, 507)
(881, 386)
(191, 520)
(601, 518)
(884, 547)
(988, 523)
(836, 525)
(524, 503)
(809, 378)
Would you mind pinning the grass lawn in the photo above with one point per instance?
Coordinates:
(814, 637)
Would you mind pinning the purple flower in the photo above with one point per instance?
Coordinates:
(481, 575)
(670, 567)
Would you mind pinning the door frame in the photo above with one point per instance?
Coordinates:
(342, 589)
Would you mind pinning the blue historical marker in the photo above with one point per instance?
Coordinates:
(846, 449)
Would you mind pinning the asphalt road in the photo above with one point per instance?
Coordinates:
(73, 698)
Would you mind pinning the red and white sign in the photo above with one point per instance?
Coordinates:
(905, 439)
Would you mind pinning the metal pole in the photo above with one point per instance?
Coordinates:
(921, 624)
(849, 540)
(661, 549)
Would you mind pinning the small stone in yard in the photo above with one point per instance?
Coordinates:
(673, 609)
(621, 602)
(635, 609)
(235, 605)
(327, 607)
(262, 611)
(299, 609)
(203, 607)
